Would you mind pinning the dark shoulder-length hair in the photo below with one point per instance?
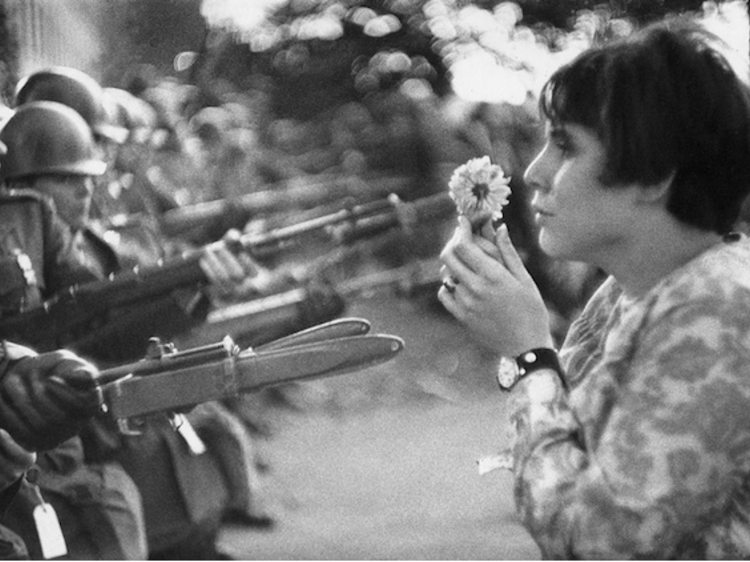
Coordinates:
(664, 101)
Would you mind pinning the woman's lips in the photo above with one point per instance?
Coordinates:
(542, 215)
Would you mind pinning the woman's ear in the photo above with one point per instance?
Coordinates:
(656, 192)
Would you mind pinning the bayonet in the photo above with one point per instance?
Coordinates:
(180, 380)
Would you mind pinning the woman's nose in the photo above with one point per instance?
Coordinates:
(535, 177)
(531, 175)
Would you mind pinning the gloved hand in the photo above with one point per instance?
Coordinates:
(232, 272)
(46, 399)
(323, 303)
(14, 460)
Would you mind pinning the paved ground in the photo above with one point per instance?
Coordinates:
(382, 464)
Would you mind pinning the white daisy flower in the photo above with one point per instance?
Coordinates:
(480, 190)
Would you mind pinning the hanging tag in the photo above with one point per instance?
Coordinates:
(48, 528)
(186, 430)
(50, 533)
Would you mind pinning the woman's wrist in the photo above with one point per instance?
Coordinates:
(536, 341)
(511, 370)
(533, 333)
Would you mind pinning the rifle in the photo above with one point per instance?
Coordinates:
(52, 324)
(250, 322)
(168, 380)
(281, 196)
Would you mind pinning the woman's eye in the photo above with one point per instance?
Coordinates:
(560, 139)
(562, 143)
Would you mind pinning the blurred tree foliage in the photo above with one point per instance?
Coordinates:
(362, 46)
(559, 12)
(314, 57)
(148, 32)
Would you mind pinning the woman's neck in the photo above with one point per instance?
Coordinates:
(659, 248)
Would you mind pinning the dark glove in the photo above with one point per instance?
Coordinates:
(46, 399)
(14, 460)
(322, 304)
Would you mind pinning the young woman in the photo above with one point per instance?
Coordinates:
(634, 439)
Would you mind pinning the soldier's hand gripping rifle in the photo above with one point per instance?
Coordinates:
(55, 323)
(169, 380)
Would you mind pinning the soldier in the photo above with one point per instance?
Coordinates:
(37, 259)
(184, 490)
(112, 116)
(40, 258)
(83, 93)
(131, 189)
(43, 398)
(44, 401)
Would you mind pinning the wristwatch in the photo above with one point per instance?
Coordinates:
(511, 370)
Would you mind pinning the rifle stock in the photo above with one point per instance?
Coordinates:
(52, 324)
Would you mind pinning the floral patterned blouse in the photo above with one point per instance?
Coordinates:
(647, 454)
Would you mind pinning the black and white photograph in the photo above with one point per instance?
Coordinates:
(374, 279)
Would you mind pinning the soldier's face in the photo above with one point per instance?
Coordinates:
(71, 196)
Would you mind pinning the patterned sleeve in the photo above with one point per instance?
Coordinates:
(650, 464)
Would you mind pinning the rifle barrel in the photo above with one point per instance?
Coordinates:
(74, 307)
(403, 214)
(171, 361)
(256, 242)
(286, 195)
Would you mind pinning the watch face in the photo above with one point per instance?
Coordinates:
(507, 373)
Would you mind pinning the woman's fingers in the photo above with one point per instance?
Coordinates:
(447, 296)
(510, 256)
(469, 257)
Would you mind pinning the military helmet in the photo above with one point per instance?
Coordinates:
(75, 89)
(136, 114)
(47, 137)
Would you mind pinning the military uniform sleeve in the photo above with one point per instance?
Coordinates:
(62, 267)
(8, 493)
(651, 461)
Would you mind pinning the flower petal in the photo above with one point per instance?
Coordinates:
(480, 189)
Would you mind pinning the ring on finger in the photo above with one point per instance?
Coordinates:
(449, 285)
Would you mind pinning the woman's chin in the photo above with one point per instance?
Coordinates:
(554, 247)
(548, 244)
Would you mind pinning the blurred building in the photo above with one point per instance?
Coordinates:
(101, 37)
(51, 32)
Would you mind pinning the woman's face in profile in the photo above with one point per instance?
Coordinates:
(579, 218)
